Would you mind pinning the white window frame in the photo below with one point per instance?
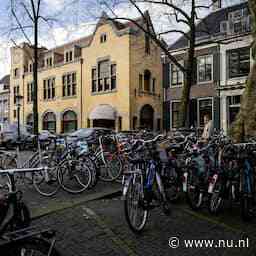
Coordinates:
(198, 108)
(68, 51)
(200, 57)
(170, 75)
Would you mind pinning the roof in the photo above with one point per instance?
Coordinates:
(84, 41)
(211, 24)
(5, 80)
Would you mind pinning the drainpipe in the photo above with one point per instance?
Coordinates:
(23, 100)
(81, 93)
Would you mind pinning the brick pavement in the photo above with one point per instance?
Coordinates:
(99, 228)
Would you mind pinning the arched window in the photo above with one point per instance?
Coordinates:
(30, 120)
(49, 122)
(147, 79)
(69, 121)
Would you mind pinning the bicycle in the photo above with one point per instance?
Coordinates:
(140, 182)
(74, 176)
(14, 212)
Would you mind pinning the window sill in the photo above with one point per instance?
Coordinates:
(237, 78)
(103, 92)
(175, 86)
(49, 100)
(69, 97)
(205, 82)
(146, 93)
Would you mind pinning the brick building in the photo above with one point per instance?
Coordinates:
(222, 66)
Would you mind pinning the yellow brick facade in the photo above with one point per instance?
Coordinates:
(123, 47)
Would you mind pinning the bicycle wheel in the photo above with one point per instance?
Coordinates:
(46, 182)
(31, 247)
(217, 200)
(74, 176)
(135, 214)
(111, 169)
(194, 195)
(91, 165)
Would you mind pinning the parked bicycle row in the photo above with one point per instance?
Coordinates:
(210, 173)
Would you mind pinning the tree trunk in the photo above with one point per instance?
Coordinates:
(245, 123)
(189, 75)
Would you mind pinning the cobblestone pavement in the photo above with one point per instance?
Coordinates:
(99, 228)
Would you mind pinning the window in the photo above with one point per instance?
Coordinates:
(49, 88)
(204, 108)
(204, 66)
(234, 103)
(16, 92)
(30, 120)
(147, 79)
(14, 113)
(30, 67)
(120, 123)
(104, 77)
(147, 44)
(103, 38)
(16, 73)
(140, 82)
(153, 85)
(176, 75)
(30, 92)
(69, 85)
(103, 74)
(69, 56)
(49, 62)
(113, 76)
(238, 62)
(94, 80)
(175, 114)
(49, 122)
(69, 121)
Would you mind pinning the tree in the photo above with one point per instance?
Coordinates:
(174, 10)
(245, 123)
(32, 11)
(28, 17)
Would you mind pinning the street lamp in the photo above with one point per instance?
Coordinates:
(18, 99)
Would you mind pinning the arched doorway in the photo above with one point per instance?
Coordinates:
(69, 121)
(29, 120)
(147, 117)
(49, 122)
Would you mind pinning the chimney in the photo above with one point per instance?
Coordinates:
(216, 5)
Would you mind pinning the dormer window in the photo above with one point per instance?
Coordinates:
(69, 56)
(16, 73)
(103, 38)
(49, 62)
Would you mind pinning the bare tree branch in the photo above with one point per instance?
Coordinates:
(20, 26)
(27, 11)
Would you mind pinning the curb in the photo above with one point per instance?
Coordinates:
(89, 198)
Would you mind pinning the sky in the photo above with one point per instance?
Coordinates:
(72, 19)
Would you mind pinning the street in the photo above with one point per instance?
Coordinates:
(99, 227)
